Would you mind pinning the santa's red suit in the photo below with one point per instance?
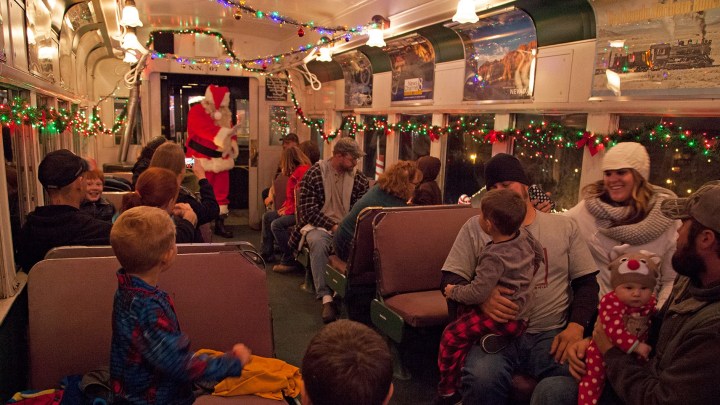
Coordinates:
(212, 142)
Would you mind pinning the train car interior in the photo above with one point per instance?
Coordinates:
(555, 83)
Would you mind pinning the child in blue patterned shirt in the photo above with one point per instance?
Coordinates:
(150, 360)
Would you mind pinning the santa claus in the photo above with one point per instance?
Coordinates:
(212, 142)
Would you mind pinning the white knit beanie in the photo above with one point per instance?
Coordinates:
(626, 155)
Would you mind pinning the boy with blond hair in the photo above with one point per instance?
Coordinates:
(150, 360)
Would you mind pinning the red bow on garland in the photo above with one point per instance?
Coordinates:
(588, 140)
(492, 136)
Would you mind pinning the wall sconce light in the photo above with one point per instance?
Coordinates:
(376, 30)
(130, 16)
(465, 12)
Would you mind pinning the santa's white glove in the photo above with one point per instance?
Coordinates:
(234, 150)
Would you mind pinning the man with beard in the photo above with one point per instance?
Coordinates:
(327, 192)
(684, 366)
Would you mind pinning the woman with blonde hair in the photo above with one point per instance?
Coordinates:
(276, 224)
(158, 187)
(624, 209)
(394, 188)
(172, 157)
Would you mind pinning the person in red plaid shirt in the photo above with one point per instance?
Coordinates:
(510, 260)
(150, 358)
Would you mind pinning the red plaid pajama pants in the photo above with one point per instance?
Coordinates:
(470, 325)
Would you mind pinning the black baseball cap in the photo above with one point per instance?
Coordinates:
(60, 168)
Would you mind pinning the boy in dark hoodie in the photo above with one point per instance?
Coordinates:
(428, 192)
(60, 222)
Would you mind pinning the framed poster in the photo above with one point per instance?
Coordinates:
(276, 89)
(358, 75)
(500, 53)
(413, 69)
(651, 48)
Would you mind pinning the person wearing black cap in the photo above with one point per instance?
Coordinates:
(564, 302)
(60, 222)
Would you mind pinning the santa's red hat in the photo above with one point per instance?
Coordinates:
(219, 96)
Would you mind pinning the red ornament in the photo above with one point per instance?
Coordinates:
(301, 32)
(264, 66)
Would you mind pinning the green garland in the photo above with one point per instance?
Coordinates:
(53, 121)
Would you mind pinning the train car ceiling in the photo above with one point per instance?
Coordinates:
(555, 23)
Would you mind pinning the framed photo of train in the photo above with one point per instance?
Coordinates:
(500, 57)
(656, 48)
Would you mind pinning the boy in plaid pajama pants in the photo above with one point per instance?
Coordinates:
(510, 260)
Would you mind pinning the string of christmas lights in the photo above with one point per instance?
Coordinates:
(257, 65)
(535, 140)
(317, 124)
(53, 121)
(274, 16)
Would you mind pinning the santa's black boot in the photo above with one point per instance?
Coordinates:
(220, 227)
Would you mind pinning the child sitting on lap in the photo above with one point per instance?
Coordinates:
(510, 260)
(150, 360)
(624, 314)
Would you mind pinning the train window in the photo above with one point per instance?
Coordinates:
(466, 155)
(279, 123)
(49, 141)
(374, 146)
(679, 164)
(414, 141)
(556, 169)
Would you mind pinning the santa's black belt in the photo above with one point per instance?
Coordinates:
(204, 150)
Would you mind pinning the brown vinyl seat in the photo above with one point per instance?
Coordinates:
(220, 298)
(354, 280)
(410, 249)
(65, 252)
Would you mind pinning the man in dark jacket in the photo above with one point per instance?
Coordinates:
(60, 223)
(683, 367)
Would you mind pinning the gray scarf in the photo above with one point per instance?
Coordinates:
(640, 233)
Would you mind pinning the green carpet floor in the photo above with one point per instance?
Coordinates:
(296, 319)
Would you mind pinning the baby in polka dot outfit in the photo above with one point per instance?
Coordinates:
(625, 316)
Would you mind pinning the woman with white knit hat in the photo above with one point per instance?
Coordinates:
(624, 208)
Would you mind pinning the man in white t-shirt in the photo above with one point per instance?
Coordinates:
(564, 302)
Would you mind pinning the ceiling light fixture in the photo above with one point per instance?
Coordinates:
(325, 54)
(130, 57)
(376, 31)
(130, 16)
(130, 41)
(465, 12)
